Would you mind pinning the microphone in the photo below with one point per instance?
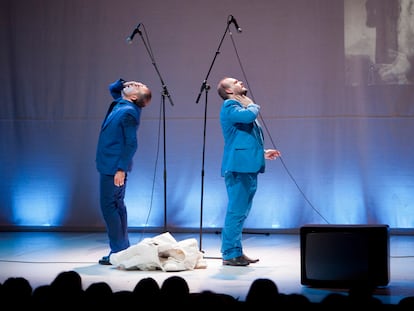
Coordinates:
(233, 20)
(136, 30)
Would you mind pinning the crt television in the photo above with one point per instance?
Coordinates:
(343, 256)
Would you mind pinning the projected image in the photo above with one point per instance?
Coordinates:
(379, 42)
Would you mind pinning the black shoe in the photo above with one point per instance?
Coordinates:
(236, 261)
(105, 261)
(250, 260)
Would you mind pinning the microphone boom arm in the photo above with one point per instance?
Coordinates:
(204, 84)
(164, 87)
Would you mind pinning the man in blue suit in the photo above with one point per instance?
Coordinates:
(116, 147)
(243, 159)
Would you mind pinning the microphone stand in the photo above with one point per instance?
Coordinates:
(164, 94)
(206, 87)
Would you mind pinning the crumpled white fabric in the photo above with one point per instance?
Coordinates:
(161, 252)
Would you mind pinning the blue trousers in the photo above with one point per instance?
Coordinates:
(241, 188)
(114, 213)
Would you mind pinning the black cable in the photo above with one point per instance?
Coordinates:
(155, 174)
(270, 136)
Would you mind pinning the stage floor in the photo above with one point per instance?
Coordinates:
(40, 256)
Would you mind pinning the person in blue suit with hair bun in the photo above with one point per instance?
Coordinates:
(116, 147)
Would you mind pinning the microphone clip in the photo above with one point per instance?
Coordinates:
(231, 20)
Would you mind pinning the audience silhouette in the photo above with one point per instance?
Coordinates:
(335, 301)
(122, 299)
(43, 299)
(263, 291)
(66, 291)
(405, 304)
(16, 292)
(175, 293)
(147, 290)
(209, 300)
(362, 295)
(98, 296)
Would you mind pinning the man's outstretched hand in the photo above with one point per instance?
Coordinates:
(271, 154)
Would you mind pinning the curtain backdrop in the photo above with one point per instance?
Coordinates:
(341, 114)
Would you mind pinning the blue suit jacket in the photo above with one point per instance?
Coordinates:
(118, 142)
(243, 138)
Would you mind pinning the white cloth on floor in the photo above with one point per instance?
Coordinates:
(161, 252)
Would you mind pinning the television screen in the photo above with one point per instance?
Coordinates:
(343, 256)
